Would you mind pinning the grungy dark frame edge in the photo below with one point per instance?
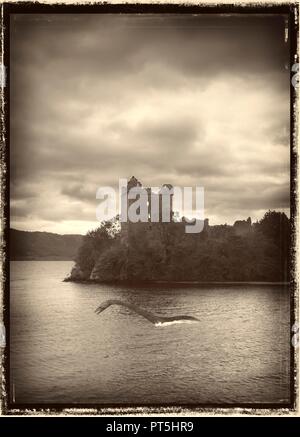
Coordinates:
(8, 408)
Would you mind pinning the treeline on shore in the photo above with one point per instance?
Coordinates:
(218, 253)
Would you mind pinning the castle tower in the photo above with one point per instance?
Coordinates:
(166, 194)
(125, 225)
(163, 200)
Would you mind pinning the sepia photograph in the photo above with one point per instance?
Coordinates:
(150, 199)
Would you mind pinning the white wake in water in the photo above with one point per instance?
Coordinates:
(175, 322)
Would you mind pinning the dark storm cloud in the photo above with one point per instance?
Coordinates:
(193, 100)
(79, 192)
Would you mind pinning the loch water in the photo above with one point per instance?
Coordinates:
(61, 351)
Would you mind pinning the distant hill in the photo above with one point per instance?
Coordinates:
(43, 246)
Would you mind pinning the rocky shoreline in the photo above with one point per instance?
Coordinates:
(77, 276)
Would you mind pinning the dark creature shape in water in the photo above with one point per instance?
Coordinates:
(153, 318)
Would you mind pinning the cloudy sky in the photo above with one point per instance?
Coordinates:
(187, 100)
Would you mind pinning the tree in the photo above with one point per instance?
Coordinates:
(274, 225)
(94, 243)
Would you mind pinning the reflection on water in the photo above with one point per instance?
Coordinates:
(62, 352)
